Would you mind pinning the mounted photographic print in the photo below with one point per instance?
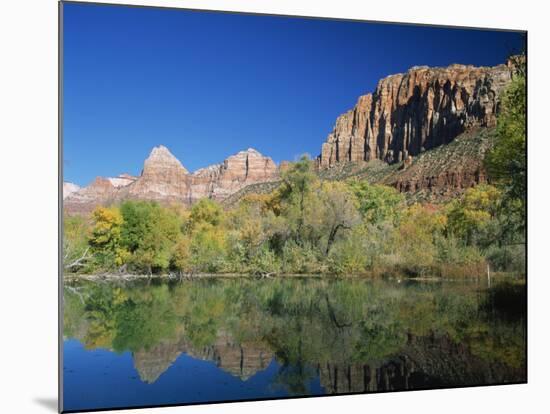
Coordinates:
(261, 207)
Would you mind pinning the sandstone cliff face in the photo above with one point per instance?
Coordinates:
(239, 170)
(416, 111)
(166, 180)
(163, 179)
(100, 192)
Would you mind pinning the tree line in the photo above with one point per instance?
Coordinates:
(305, 226)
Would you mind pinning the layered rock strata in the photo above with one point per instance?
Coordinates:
(166, 180)
(412, 112)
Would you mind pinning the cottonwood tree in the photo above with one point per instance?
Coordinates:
(414, 238)
(338, 211)
(470, 216)
(149, 233)
(105, 238)
(296, 194)
(378, 203)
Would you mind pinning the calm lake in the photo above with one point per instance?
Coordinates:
(159, 343)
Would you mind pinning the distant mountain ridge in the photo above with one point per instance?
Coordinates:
(166, 180)
(400, 124)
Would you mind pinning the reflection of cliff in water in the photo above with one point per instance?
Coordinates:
(425, 362)
(151, 363)
(351, 336)
(239, 360)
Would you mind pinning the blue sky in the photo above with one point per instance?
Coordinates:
(208, 85)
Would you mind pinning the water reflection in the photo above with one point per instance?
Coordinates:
(343, 335)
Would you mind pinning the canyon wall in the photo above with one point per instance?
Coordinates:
(412, 112)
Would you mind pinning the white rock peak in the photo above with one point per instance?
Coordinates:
(162, 157)
(69, 188)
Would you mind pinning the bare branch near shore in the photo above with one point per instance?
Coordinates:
(264, 275)
(78, 262)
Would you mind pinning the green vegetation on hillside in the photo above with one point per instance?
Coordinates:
(306, 225)
(463, 155)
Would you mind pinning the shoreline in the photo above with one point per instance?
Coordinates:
(111, 277)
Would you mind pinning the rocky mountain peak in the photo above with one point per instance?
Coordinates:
(161, 158)
(246, 167)
(164, 179)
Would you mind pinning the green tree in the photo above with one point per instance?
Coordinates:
(150, 233)
(507, 161)
(295, 195)
(415, 236)
(136, 216)
(208, 248)
(181, 256)
(338, 211)
(470, 217)
(206, 211)
(350, 254)
(105, 237)
(378, 203)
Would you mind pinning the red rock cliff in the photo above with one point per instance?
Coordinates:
(165, 179)
(412, 112)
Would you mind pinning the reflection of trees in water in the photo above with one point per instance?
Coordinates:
(356, 336)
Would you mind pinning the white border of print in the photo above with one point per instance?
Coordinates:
(28, 174)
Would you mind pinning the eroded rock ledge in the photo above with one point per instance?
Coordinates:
(412, 112)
